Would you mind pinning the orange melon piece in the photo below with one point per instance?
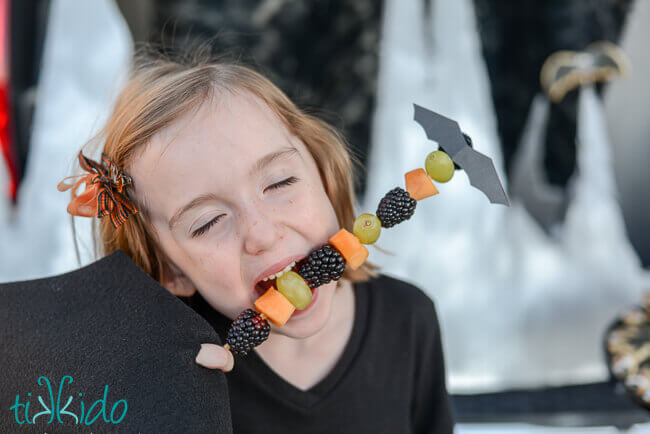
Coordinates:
(419, 184)
(350, 247)
(275, 307)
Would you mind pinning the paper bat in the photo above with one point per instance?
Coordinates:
(479, 168)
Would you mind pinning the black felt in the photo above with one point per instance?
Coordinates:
(108, 323)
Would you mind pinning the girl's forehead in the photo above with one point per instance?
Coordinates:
(225, 130)
(211, 148)
(227, 123)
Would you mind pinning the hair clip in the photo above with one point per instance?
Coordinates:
(104, 193)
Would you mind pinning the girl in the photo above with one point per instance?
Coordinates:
(229, 182)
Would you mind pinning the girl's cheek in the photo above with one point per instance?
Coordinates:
(217, 262)
(315, 196)
(305, 207)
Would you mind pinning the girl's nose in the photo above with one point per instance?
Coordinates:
(259, 229)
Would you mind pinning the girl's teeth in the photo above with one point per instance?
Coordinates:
(279, 273)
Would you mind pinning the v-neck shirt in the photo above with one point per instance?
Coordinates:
(390, 377)
(260, 372)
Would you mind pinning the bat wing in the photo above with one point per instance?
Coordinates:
(442, 130)
(482, 175)
(479, 168)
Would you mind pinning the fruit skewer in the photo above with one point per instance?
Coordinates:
(328, 262)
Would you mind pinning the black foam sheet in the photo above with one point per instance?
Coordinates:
(119, 335)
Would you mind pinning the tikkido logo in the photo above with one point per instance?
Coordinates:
(64, 414)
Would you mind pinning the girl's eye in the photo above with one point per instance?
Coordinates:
(203, 229)
(288, 181)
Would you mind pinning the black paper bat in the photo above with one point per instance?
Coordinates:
(479, 168)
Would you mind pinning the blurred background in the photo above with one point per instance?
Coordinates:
(528, 295)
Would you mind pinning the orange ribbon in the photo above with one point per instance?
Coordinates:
(104, 191)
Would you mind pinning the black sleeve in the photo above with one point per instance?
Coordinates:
(432, 411)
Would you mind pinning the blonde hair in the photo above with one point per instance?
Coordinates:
(159, 91)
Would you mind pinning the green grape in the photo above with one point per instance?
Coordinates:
(295, 289)
(367, 228)
(439, 166)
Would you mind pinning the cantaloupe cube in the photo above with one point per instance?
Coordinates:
(419, 184)
(350, 247)
(358, 258)
(275, 306)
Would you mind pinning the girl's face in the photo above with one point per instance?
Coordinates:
(235, 197)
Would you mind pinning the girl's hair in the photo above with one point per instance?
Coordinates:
(160, 90)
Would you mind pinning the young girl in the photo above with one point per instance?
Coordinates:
(230, 182)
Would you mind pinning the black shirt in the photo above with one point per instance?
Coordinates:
(389, 379)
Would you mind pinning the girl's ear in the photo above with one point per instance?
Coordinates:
(176, 282)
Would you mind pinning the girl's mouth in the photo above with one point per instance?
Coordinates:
(314, 297)
(263, 285)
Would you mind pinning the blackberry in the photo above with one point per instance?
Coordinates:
(322, 266)
(247, 331)
(395, 207)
